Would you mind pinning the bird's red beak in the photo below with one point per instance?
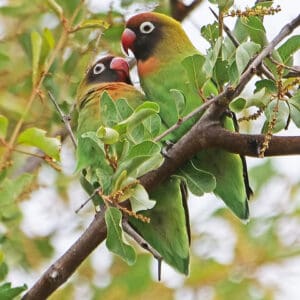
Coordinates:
(128, 38)
(120, 65)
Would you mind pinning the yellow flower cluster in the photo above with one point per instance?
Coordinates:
(257, 11)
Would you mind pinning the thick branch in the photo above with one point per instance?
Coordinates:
(249, 144)
(62, 269)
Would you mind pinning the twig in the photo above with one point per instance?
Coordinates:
(95, 192)
(143, 243)
(195, 112)
(65, 118)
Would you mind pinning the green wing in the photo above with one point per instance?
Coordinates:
(168, 230)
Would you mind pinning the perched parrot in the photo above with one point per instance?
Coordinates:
(161, 48)
(168, 231)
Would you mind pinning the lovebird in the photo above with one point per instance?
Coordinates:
(162, 51)
(168, 231)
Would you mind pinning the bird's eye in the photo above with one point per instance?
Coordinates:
(99, 68)
(146, 27)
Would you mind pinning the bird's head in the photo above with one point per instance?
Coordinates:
(147, 33)
(108, 69)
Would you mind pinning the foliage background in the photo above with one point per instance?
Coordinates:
(231, 260)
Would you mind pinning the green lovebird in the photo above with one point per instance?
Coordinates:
(163, 51)
(168, 231)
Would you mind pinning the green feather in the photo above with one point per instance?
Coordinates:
(167, 230)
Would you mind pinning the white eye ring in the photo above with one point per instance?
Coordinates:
(146, 27)
(99, 68)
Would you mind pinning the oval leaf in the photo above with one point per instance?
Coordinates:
(36, 45)
(3, 126)
(114, 241)
(140, 199)
(36, 137)
(244, 54)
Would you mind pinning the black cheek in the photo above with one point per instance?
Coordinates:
(145, 44)
(106, 76)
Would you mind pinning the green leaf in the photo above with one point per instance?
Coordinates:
(179, 99)
(3, 270)
(56, 8)
(244, 53)
(36, 137)
(146, 148)
(194, 69)
(3, 126)
(36, 45)
(210, 32)
(153, 125)
(4, 60)
(108, 110)
(282, 116)
(198, 181)
(140, 165)
(268, 84)
(49, 38)
(96, 23)
(288, 48)
(9, 293)
(259, 99)
(114, 241)
(221, 75)
(142, 112)
(294, 103)
(255, 29)
(237, 104)
(11, 190)
(47, 45)
(124, 109)
(211, 58)
(139, 200)
(108, 135)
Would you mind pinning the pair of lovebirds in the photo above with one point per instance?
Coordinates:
(162, 51)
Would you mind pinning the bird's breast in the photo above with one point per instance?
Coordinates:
(148, 66)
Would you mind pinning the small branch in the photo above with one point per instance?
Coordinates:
(195, 112)
(95, 192)
(139, 239)
(143, 243)
(294, 73)
(65, 118)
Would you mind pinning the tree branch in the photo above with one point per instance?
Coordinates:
(62, 269)
(179, 10)
(206, 133)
